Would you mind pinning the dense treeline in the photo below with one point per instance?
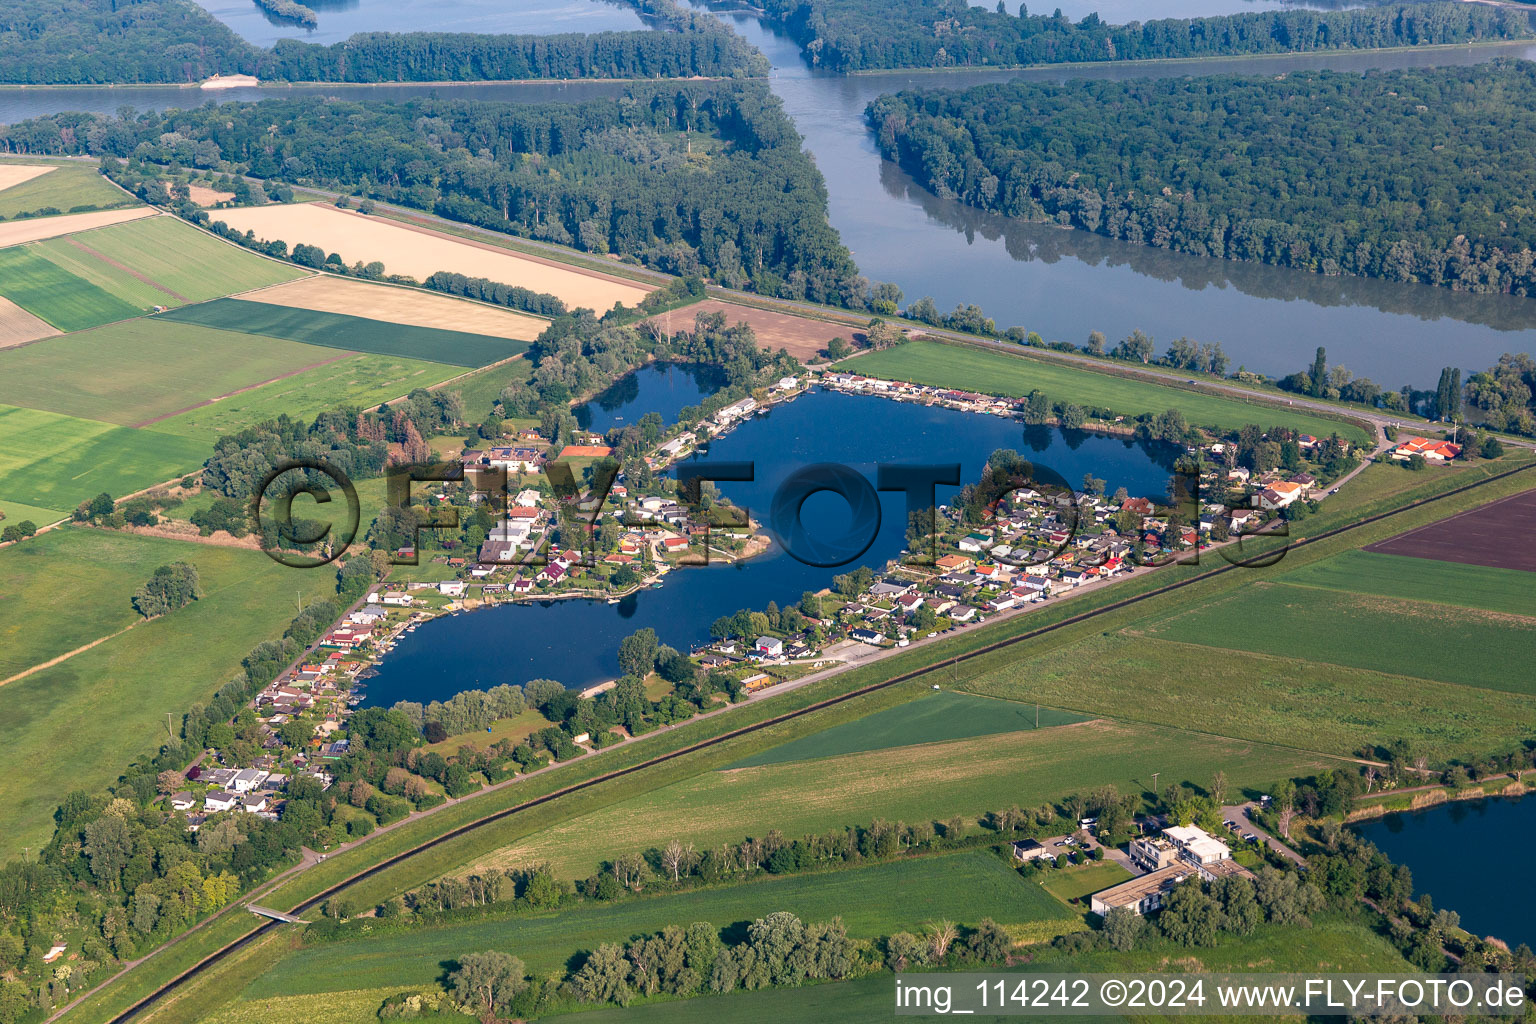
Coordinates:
(858, 35)
(67, 42)
(1405, 175)
(691, 179)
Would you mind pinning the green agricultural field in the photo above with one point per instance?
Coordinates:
(55, 462)
(77, 580)
(51, 293)
(482, 389)
(138, 292)
(1263, 698)
(356, 380)
(955, 366)
(190, 264)
(137, 371)
(933, 717)
(962, 887)
(1510, 591)
(76, 724)
(63, 188)
(930, 782)
(357, 334)
(1470, 647)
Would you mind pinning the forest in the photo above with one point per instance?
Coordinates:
(1405, 175)
(863, 35)
(688, 179)
(72, 42)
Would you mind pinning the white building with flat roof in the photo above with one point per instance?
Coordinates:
(1196, 845)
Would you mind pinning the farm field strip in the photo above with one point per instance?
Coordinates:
(933, 717)
(38, 228)
(345, 379)
(955, 366)
(327, 293)
(55, 295)
(932, 781)
(420, 253)
(1260, 697)
(135, 371)
(14, 174)
(352, 333)
(191, 264)
(1496, 535)
(74, 256)
(55, 462)
(17, 326)
(1421, 579)
(62, 187)
(801, 336)
(1373, 633)
(964, 886)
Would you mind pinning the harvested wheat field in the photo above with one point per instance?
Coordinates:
(202, 195)
(15, 174)
(18, 231)
(802, 337)
(17, 326)
(350, 297)
(420, 253)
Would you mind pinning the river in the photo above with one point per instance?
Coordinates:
(1441, 846)
(1059, 282)
(576, 641)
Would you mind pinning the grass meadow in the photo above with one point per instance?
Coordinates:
(932, 781)
(355, 380)
(1262, 697)
(188, 262)
(51, 293)
(335, 330)
(63, 188)
(1510, 591)
(1069, 884)
(933, 717)
(955, 366)
(136, 371)
(963, 887)
(482, 389)
(76, 724)
(55, 462)
(1383, 634)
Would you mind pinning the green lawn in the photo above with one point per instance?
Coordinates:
(1263, 698)
(77, 724)
(135, 371)
(354, 380)
(357, 334)
(55, 462)
(1390, 635)
(189, 262)
(63, 188)
(963, 887)
(1421, 579)
(1069, 884)
(51, 293)
(934, 717)
(930, 782)
(956, 366)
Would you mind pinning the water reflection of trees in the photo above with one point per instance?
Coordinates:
(1028, 241)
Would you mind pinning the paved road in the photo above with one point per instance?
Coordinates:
(1239, 814)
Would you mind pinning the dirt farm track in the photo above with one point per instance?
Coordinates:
(1501, 535)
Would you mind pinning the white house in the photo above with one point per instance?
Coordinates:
(216, 800)
(451, 588)
(770, 647)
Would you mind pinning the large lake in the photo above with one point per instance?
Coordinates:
(340, 19)
(1441, 846)
(576, 641)
(1059, 282)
